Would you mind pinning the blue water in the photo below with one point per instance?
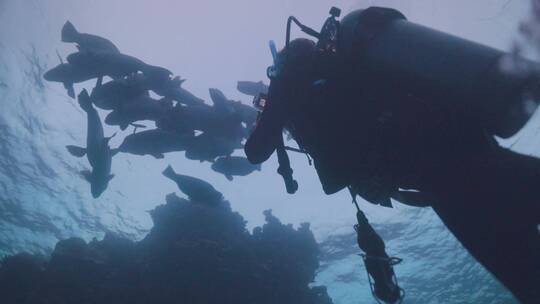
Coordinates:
(43, 199)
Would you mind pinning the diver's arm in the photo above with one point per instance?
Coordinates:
(266, 136)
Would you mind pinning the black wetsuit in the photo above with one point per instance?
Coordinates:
(378, 141)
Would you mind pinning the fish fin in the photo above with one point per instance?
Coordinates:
(177, 81)
(59, 57)
(138, 125)
(70, 89)
(107, 139)
(84, 100)
(166, 102)
(99, 81)
(158, 155)
(229, 177)
(69, 32)
(169, 172)
(115, 151)
(111, 176)
(87, 175)
(123, 126)
(76, 151)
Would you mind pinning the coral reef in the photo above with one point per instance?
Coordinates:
(195, 253)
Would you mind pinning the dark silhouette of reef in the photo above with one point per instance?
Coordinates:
(195, 253)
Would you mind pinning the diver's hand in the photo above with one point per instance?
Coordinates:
(287, 173)
(291, 185)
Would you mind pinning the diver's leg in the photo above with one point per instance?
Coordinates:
(491, 207)
(521, 173)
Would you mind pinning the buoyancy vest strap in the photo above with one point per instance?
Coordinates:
(287, 148)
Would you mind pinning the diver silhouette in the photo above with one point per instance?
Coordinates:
(396, 106)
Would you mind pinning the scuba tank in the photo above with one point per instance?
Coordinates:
(435, 67)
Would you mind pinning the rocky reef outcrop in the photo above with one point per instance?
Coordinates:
(195, 253)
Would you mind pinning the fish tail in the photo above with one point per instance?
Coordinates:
(169, 172)
(69, 32)
(85, 101)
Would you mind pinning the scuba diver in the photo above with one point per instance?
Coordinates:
(394, 110)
